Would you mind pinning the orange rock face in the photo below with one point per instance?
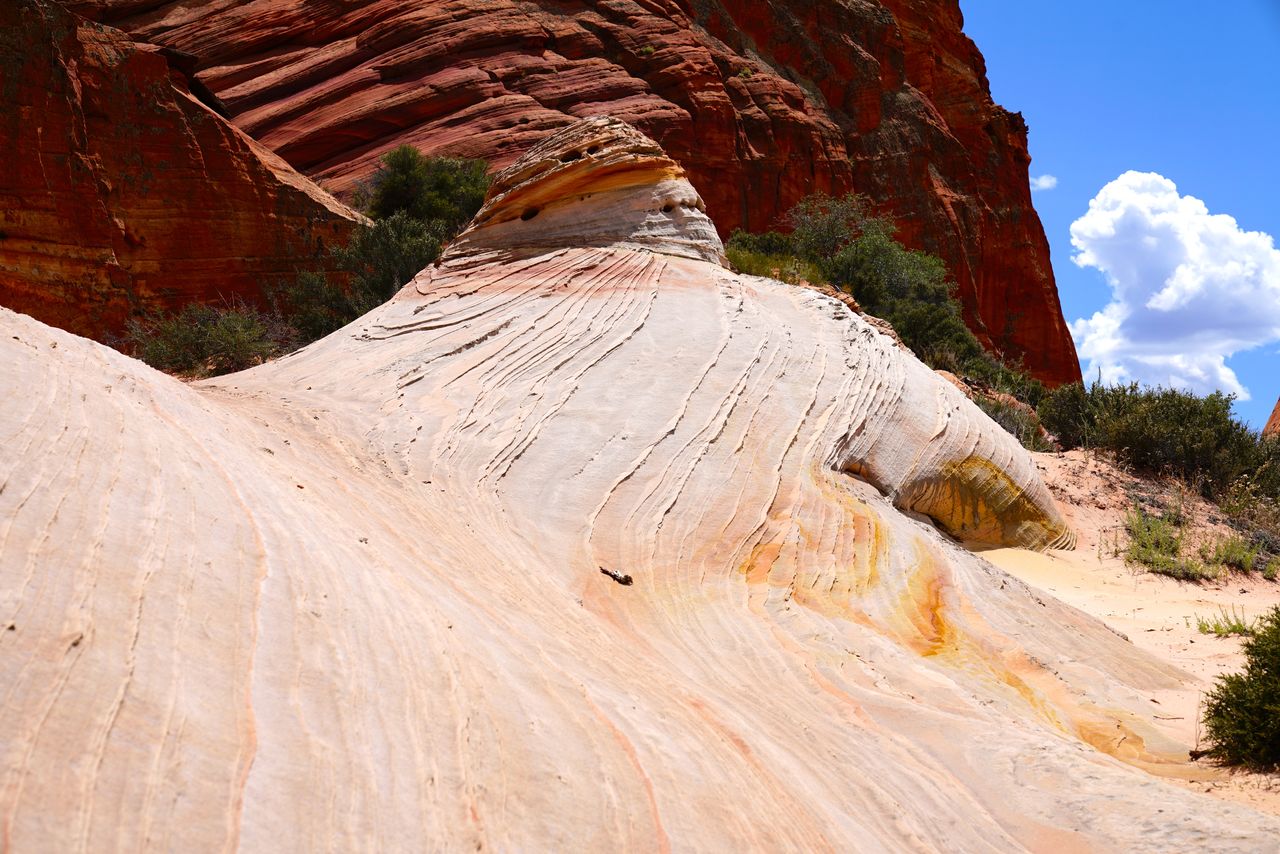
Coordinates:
(762, 102)
(1273, 423)
(121, 191)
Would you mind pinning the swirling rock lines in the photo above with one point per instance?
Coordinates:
(312, 605)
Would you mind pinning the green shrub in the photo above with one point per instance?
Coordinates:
(376, 263)
(383, 259)
(1233, 552)
(1252, 501)
(239, 338)
(857, 252)
(822, 225)
(1266, 468)
(1225, 624)
(765, 243)
(1242, 712)
(1272, 570)
(1009, 379)
(204, 340)
(1023, 425)
(1160, 431)
(1066, 412)
(430, 189)
(911, 291)
(315, 305)
(757, 263)
(173, 343)
(1164, 430)
(1156, 543)
(417, 203)
(786, 268)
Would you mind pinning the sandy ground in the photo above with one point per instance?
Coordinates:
(1157, 614)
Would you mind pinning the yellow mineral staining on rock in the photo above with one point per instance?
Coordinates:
(976, 502)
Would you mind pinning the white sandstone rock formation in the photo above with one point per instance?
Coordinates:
(354, 599)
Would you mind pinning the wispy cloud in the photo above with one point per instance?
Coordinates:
(1044, 182)
(1188, 288)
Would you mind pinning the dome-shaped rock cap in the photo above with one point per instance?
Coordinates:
(596, 182)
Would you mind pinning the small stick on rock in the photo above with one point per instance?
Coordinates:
(624, 580)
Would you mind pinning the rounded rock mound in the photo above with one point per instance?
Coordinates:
(569, 545)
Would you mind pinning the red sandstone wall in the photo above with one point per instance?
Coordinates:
(763, 101)
(121, 192)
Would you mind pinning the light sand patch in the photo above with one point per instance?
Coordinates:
(1157, 614)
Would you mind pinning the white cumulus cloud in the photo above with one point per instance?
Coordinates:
(1044, 182)
(1188, 288)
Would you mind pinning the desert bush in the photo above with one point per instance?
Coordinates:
(1225, 624)
(1165, 430)
(1023, 425)
(1252, 501)
(382, 259)
(1155, 542)
(173, 342)
(417, 203)
(764, 243)
(442, 190)
(910, 290)
(1009, 378)
(376, 263)
(206, 340)
(1157, 430)
(1066, 413)
(1242, 712)
(784, 267)
(857, 252)
(241, 337)
(1233, 552)
(315, 305)
(756, 263)
(822, 225)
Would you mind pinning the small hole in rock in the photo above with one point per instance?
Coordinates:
(529, 214)
(571, 156)
(668, 207)
(593, 149)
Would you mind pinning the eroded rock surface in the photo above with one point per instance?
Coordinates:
(762, 101)
(122, 192)
(368, 596)
(1273, 423)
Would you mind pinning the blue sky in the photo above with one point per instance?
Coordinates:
(1174, 91)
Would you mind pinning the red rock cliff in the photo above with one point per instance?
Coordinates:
(763, 101)
(1273, 423)
(121, 191)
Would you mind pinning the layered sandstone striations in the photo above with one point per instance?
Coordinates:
(368, 596)
(123, 192)
(762, 102)
(1273, 423)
